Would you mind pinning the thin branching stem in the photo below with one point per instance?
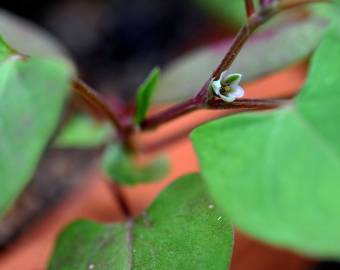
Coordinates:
(91, 96)
(203, 99)
(97, 101)
(254, 22)
(267, 11)
(250, 8)
(119, 196)
(251, 104)
(167, 115)
(244, 105)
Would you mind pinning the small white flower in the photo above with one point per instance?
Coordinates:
(227, 87)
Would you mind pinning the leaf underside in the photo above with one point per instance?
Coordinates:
(28, 38)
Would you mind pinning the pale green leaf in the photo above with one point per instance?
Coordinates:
(181, 230)
(28, 38)
(277, 174)
(81, 131)
(32, 94)
(144, 95)
(265, 53)
(120, 166)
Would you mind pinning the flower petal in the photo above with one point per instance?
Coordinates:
(216, 86)
(237, 92)
(231, 79)
(228, 98)
(224, 76)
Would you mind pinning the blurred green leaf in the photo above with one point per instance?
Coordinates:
(181, 230)
(265, 53)
(120, 166)
(32, 94)
(28, 38)
(277, 173)
(144, 95)
(84, 132)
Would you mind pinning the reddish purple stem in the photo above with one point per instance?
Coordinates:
(170, 114)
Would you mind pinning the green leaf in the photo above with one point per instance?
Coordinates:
(277, 173)
(144, 95)
(28, 38)
(32, 94)
(84, 132)
(181, 230)
(120, 166)
(5, 50)
(265, 53)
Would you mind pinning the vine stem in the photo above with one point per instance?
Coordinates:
(89, 95)
(244, 105)
(93, 98)
(202, 99)
(118, 195)
(175, 112)
(250, 8)
(248, 104)
(268, 10)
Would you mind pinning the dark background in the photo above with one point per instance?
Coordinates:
(116, 43)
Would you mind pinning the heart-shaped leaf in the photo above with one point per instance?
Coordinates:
(181, 230)
(278, 173)
(122, 168)
(266, 52)
(32, 94)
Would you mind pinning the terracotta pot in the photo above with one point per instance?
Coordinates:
(95, 201)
